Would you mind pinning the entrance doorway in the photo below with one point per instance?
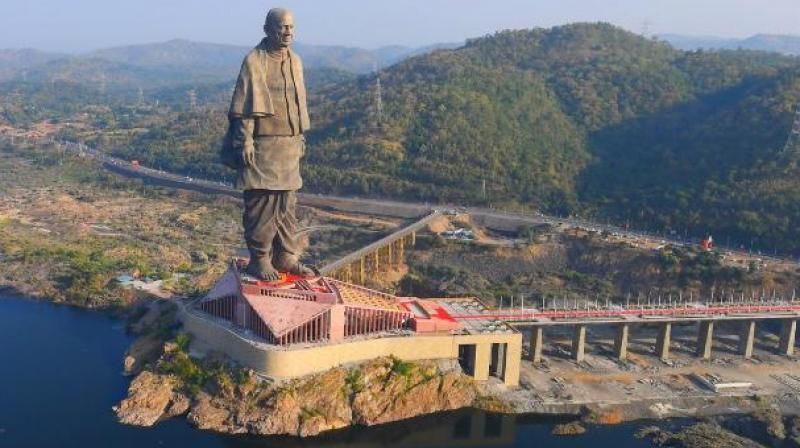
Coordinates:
(497, 366)
(466, 358)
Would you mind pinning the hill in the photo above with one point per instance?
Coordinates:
(14, 63)
(784, 44)
(583, 118)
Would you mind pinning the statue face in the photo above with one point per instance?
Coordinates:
(282, 30)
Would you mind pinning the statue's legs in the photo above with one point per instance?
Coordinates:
(270, 230)
(266, 223)
(287, 247)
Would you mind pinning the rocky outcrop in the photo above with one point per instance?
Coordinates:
(150, 321)
(238, 402)
(395, 390)
(702, 435)
(569, 429)
(144, 350)
(151, 398)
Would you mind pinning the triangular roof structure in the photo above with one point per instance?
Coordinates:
(283, 315)
(227, 286)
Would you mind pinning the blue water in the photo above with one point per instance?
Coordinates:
(60, 374)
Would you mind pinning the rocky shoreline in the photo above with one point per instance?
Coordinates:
(220, 397)
(237, 401)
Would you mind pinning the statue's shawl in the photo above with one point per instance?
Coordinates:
(251, 97)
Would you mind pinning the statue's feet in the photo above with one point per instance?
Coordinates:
(301, 270)
(294, 267)
(262, 269)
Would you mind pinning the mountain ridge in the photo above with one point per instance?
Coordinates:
(779, 43)
(201, 60)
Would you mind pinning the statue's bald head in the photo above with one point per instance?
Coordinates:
(279, 27)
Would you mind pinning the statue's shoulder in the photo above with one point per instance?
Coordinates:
(253, 55)
(295, 57)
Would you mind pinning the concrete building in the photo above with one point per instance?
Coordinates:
(302, 326)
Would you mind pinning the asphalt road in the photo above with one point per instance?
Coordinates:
(398, 209)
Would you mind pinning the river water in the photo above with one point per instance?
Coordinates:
(60, 374)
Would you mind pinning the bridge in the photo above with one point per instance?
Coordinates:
(746, 311)
(386, 253)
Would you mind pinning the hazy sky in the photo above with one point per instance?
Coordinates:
(80, 25)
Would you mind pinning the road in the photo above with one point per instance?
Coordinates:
(488, 217)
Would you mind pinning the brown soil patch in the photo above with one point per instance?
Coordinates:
(594, 378)
(439, 224)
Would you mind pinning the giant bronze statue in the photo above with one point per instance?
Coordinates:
(265, 142)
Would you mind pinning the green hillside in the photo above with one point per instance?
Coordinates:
(583, 118)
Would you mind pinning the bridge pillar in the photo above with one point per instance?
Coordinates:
(401, 249)
(537, 340)
(788, 332)
(362, 271)
(579, 343)
(747, 338)
(705, 339)
(389, 255)
(413, 238)
(376, 266)
(621, 342)
(664, 340)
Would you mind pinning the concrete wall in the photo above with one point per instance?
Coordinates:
(292, 363)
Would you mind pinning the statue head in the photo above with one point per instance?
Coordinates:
(279, 27)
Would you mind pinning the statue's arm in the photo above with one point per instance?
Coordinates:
(243, 135)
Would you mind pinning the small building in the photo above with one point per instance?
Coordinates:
(716, 383)
(300, 326)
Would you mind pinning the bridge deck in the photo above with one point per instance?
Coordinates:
(691, 312)
(381, 243)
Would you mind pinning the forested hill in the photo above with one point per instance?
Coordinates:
(584, 117)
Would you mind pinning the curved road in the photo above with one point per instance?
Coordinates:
(491, 218)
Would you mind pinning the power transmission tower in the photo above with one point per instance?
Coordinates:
(793, 143)
(378, 97)
(646, 28)
(192, 99)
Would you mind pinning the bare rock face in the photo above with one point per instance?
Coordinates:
(380, 391)
(151, 398)
(144, 350)
(213, 416)
(396, 390)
